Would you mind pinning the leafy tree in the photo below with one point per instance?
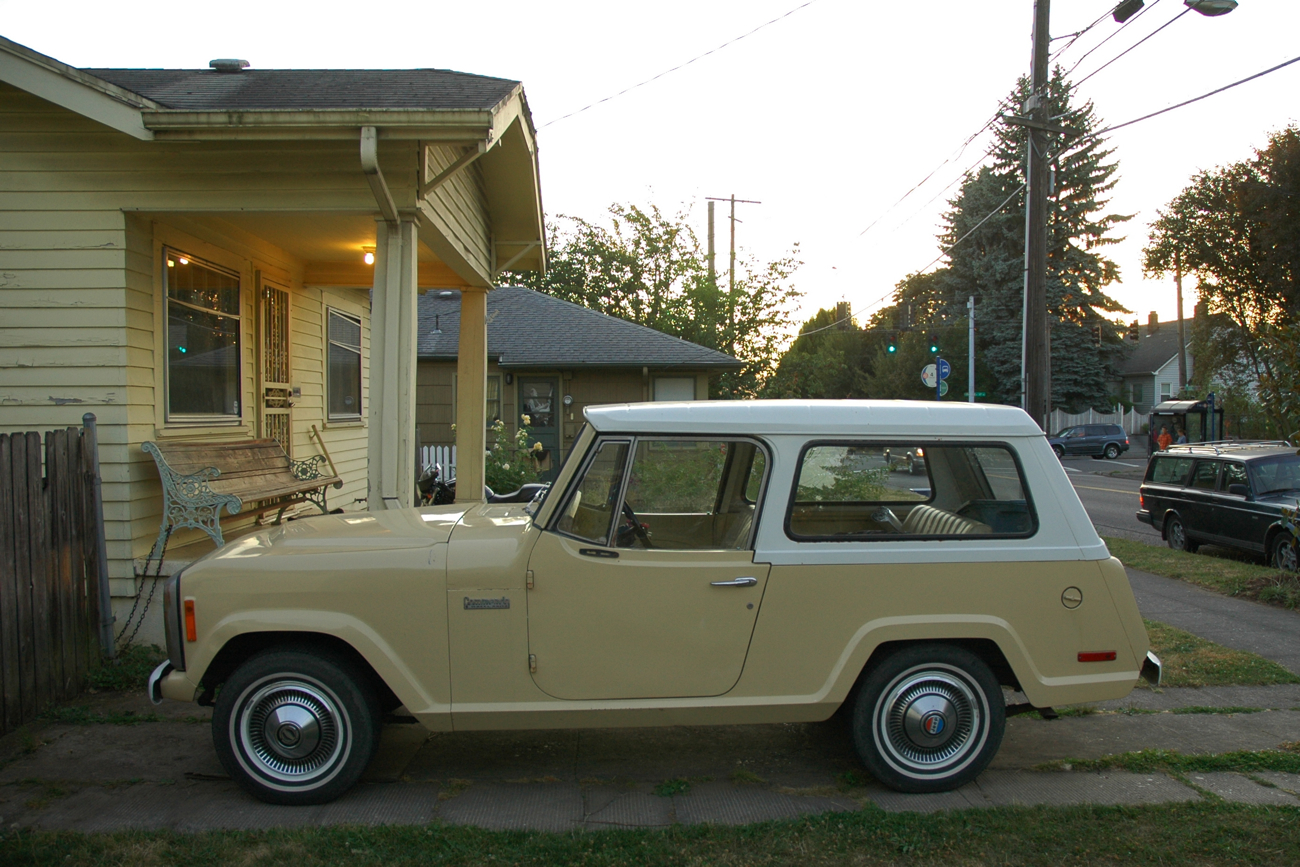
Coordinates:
(1236, 231)
(984, 231)
(647, 267)
(826, 360)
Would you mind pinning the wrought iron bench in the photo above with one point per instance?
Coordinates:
(199, 479)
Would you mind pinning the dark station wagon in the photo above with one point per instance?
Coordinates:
(1231, 494)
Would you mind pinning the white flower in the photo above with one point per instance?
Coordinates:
(537, 447)
(526, 418)
(505, 467)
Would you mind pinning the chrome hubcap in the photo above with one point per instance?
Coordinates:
(931, 721)
(1176, 535)
(291, 730)
(1286, 557)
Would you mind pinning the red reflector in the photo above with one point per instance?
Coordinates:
(1086, 656)
(192, 632)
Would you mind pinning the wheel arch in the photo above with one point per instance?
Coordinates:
(985, 649)
(246, 645)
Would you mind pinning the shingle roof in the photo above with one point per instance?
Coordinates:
(318, 89)
(532, 329)
(1154, 351)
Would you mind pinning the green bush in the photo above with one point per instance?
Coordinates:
(511, 461)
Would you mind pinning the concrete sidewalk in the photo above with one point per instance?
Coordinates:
(165, 775)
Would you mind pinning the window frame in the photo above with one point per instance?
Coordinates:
(858, 538)
(200, 419)
(330, 415)
(633, 441)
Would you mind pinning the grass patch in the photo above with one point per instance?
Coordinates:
(83, 715)
(675, 786)
(1232, 577)
(743, 777)
(1193, 661)
(1212, 710)
(1145, 761)
(129, 672)
(1186, 834)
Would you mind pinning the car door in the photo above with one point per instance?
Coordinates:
(1076, 441)
(1094, 439)
(1238, 522)
(1198, 499)
(644, 585)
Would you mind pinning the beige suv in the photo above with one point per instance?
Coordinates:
(694, 563)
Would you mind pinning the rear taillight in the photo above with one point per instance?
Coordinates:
(1097, 656)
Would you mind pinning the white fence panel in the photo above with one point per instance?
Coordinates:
(443, 456)
(1131, 421)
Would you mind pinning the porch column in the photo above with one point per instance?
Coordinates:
(393, 325)
(471, 396)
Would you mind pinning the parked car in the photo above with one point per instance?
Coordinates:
(1230, 494)
(694, 563)
(1099, 440)
(912, 460)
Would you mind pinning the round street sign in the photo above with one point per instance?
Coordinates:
(929, 376)
(944, 368)
(943, 389)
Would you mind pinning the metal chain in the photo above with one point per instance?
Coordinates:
(162, 555)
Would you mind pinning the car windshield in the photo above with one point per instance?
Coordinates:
(1276, 475)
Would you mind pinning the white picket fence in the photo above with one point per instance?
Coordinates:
(444, 456)
(1131, 421)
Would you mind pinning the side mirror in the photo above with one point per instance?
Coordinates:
(1239, 490)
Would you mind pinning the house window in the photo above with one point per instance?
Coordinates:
(1165, 388)
(674, 388)
(344, 365)
(1136, 389)
(203, 349)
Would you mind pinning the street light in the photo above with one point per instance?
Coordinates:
(1211, 8)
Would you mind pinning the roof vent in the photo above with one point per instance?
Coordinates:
(227, 64)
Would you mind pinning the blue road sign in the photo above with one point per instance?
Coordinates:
(944, 368)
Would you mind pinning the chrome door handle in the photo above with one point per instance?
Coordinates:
(736, 582)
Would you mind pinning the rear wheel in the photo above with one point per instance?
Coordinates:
(1282, 553)
(1112, 451)
(295, 728)
(929, 718)
(1176, 536)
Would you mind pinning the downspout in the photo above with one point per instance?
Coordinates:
(375, 177)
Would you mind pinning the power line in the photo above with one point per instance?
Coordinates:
(1117, 32)
(1076, 36)
(1131, 47)
(681, 65)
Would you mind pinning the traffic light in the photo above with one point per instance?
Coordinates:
(892, 347)
(934, 342)
(1096, 334)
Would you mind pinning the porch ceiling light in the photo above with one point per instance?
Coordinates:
(368, 255)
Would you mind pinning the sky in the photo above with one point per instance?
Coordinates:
(828, 116)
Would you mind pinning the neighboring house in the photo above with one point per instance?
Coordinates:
(549, 359)
(1150, 373)
(183, 253)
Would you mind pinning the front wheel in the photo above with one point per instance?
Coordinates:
(1060, 452)
(1176, 536)
(295, 728)
(929, 718)
(1282, 553)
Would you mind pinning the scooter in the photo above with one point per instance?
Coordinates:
(433, 491)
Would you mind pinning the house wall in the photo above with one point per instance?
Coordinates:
(84, 215)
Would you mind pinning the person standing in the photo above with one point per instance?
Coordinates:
(1164, 440)
(1182, 437)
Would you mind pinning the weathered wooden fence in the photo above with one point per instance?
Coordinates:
(49, 571)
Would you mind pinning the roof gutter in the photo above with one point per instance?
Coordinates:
(374, 176)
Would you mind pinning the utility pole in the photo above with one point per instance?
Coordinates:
(731, 273)
(1035, 353)
(970, 349)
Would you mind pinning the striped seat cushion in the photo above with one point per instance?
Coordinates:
(929, 521)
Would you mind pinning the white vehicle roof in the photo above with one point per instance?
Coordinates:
(885, 418)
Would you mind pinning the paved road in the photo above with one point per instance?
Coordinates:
(1109, 491)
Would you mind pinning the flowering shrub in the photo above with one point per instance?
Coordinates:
(511, 461)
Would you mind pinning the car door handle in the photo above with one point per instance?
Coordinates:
(736, 582)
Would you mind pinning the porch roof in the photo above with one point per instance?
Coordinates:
(532, 329)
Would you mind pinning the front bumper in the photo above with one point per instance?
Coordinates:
(155, 680)
(1151, 669)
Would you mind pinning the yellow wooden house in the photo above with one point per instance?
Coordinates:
(231, 252)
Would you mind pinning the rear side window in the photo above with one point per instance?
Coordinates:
(856, 491)
(1233, 474)
(1205, 476)
(1170, 471)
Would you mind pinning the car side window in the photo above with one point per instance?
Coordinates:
(1233, 474)
(589, 512)
(859, 491)
(1170, 471)
(1205, 476)
(691, 494)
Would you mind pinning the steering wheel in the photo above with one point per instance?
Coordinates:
(636, 525)
(885, 515)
